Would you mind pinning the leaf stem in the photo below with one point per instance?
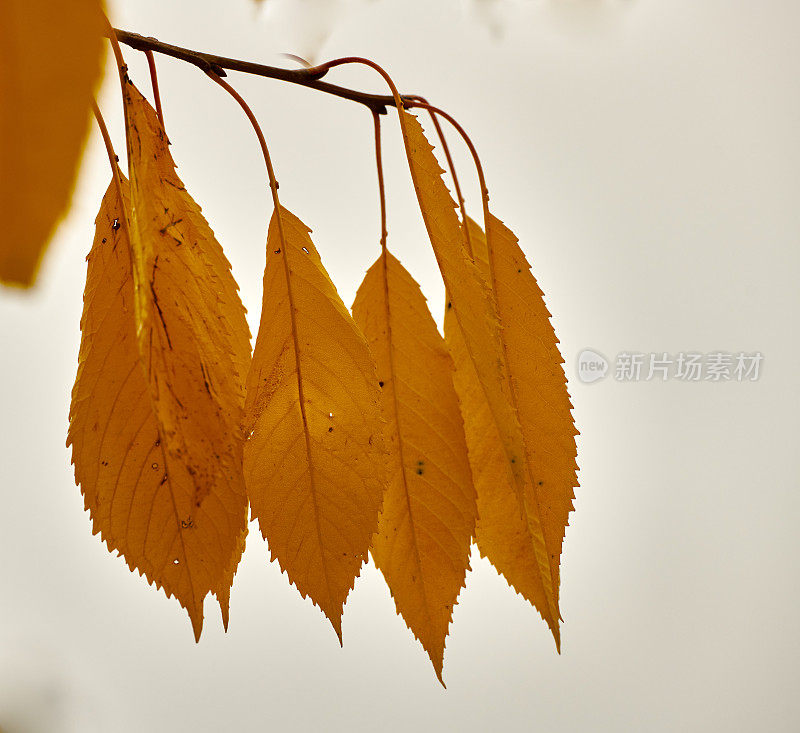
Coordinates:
(113, 158)
(112, 37)
(273, 183)
(122, 70)
(151, 65)
(381, 188)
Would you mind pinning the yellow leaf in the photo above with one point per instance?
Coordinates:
(474, 309)
(50, 62)
(314, 460)
(469, 296)
(144, 497)
(193, 337)
(428, 516)
(516, 544)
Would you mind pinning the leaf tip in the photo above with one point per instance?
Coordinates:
(336, 622)
(224, 608)
(439, 669)
(196, 617)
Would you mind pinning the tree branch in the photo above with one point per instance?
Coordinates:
(217, 64)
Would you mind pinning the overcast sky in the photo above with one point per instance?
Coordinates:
(646, 153)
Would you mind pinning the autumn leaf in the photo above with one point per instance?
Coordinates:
(515, 544)
(482, 309)
(50, 62)
(193, 338)
(143, 499)
(157, 404)
(469, 296)
(428, 518)
(314, 461)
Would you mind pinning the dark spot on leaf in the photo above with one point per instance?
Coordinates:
(380, 384)
(116, 225)
(278, 251)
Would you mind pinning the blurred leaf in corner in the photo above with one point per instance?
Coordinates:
(50, 63)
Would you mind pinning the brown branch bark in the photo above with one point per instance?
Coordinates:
(218, 64)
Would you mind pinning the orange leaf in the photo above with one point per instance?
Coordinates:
(50, 62)
(193, 351)
(474, 309)
(516, 545)
(145, 498)
(428, 517)
(314, 459)
(470, 298)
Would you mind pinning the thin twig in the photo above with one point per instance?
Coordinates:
(217, 64)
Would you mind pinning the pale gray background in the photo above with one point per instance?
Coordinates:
(646, 153)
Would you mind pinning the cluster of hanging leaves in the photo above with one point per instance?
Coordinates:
(345, 435)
